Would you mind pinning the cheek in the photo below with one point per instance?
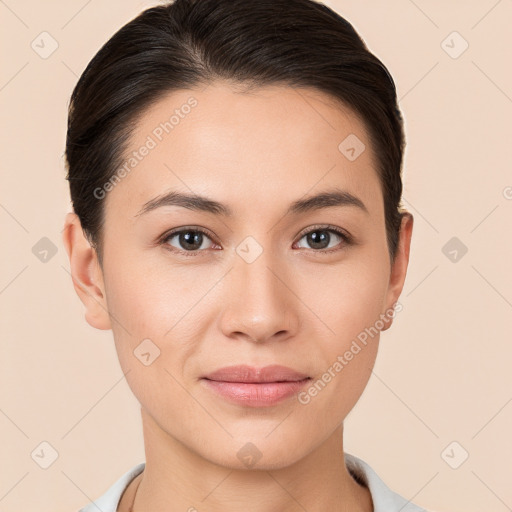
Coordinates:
(163, 305)
(347, 298)
(350, 306)
(149, 298)
(146, 304)
(349, 302)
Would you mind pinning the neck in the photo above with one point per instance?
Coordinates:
(175, 478)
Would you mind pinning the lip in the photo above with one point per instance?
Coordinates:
(251, 374)
(255, 387)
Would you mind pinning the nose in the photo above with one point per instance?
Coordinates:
(259, 303)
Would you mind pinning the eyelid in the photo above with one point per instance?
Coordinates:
(175, 231)
(326, 227)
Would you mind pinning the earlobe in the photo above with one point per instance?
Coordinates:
(399, 267)
(86, 273)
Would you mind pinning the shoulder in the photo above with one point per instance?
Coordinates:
(109, 501)
(384, 499)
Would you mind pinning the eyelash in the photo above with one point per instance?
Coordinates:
(347, 239)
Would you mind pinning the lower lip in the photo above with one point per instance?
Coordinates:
(261, 394)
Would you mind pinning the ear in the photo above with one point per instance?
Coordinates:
(86, 273)
(399, 267)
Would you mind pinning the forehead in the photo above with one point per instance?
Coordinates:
(245, 146)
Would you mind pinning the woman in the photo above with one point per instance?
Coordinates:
(235, 173)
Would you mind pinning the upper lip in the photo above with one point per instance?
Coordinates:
(245, 373)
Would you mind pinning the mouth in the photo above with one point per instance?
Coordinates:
(255, 387)
(253, 375)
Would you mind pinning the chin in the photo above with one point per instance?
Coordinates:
(256, 453)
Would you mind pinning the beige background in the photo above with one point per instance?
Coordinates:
(443, 374)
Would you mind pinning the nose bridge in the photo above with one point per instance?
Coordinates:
(259, 304)
(257, 279)
(259, 287)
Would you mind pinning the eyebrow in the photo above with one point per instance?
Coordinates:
(326, 199)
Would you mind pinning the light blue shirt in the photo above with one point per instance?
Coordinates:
(384, 499)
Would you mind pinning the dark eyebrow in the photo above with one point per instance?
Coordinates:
(190, 201)
(335, 197)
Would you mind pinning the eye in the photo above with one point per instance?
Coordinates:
(320, 238)
(188, 240)
(192, 241)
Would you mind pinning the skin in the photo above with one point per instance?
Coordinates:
(294, 305)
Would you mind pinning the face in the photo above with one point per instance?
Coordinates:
(256, 273)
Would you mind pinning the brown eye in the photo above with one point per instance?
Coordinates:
(324, 238)
(189, 240)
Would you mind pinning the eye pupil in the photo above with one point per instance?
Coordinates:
(191, 239)
(318, 241)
